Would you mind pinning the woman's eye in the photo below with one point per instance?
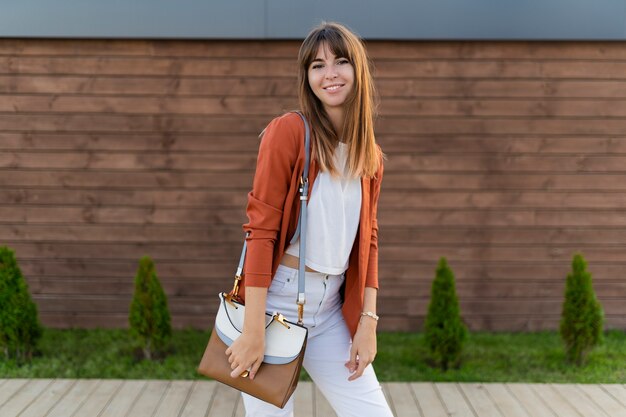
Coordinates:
(316, 66)
(344, 61)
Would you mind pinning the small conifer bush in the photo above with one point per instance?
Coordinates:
(445, 332)
(582, 317)
(149, 316)
(20, 328)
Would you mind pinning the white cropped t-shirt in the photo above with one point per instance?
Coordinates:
(333, 214)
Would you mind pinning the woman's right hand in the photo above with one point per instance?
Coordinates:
(246, 353)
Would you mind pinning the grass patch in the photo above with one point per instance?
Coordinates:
(487, 357)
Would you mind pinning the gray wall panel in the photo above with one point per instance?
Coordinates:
(291, 19)
(454, 19)
(133, 19)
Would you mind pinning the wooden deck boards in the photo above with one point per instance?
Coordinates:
(119, 398)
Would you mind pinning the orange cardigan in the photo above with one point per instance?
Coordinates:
(274, 206)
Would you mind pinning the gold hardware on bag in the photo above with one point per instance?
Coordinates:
(235, 290)
(229, 299)
(245, 374)
(300, 313)
(281, 319)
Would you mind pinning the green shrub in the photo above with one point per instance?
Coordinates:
(444, 332)
(20, 329)
(582, 317)
(149, 316)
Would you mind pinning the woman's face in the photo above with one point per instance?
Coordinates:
(331, 78)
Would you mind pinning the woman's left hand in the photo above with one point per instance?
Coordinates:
(363, 349)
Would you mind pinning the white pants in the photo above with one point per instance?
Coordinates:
(328, 348)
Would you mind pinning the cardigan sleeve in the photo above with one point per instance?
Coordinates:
(372, 264)
(276, 159)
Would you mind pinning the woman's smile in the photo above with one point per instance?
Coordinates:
(333, 88)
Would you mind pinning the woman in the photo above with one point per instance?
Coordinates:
(336, 96)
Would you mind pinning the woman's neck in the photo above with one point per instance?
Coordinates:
(336, 116)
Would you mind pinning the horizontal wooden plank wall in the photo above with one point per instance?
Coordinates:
(505, 157)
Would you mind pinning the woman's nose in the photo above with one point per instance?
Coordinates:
(331, 72)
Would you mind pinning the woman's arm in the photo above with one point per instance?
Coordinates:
(364, 347)
(277, 155)
(247, 351)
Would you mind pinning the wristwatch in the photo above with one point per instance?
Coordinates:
(370, 314)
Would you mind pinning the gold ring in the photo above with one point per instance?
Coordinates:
(245, 374)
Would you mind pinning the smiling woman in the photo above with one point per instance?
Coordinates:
(336, 97)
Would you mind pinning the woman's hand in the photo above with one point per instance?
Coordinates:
(246, 353)
(363, 349)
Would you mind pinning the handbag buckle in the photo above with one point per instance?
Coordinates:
(229, 299)
(281, 319)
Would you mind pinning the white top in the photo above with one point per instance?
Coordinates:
(333, 214)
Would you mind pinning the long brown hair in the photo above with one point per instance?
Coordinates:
(364, 155)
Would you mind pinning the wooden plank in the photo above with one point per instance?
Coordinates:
(131, 162)
(100, 397)
(304, 405)
(479, 399)
(401, 399)
(392, 143)
(406, 125)
(492, 88)
(532, 403)
(159, 141)
(284, 86)
(74, 398)
(578, 400)
(240, 410)
(454, 401)
(174, 86)
(26, 395)
(507, 404)
(111, 180)
(485, 68)
(72, 268)
(49, 397)
(10, 388)
(107, 286)
(174, 399)
(618, 392)
(164, 198)
(609, 405)
(168, 48)
(322, 406)
(557, 403)
(150, 398)
(285, 67)
(210, 106)
(548, 273)
(120, 180)
(127, 396)
(381, 49)
(502, 181)
(428, 400)
(272, 105)
(148, 66)
(131, 252)
(200, 397)
(224, 401)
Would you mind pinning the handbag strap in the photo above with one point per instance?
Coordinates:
(300, 228)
